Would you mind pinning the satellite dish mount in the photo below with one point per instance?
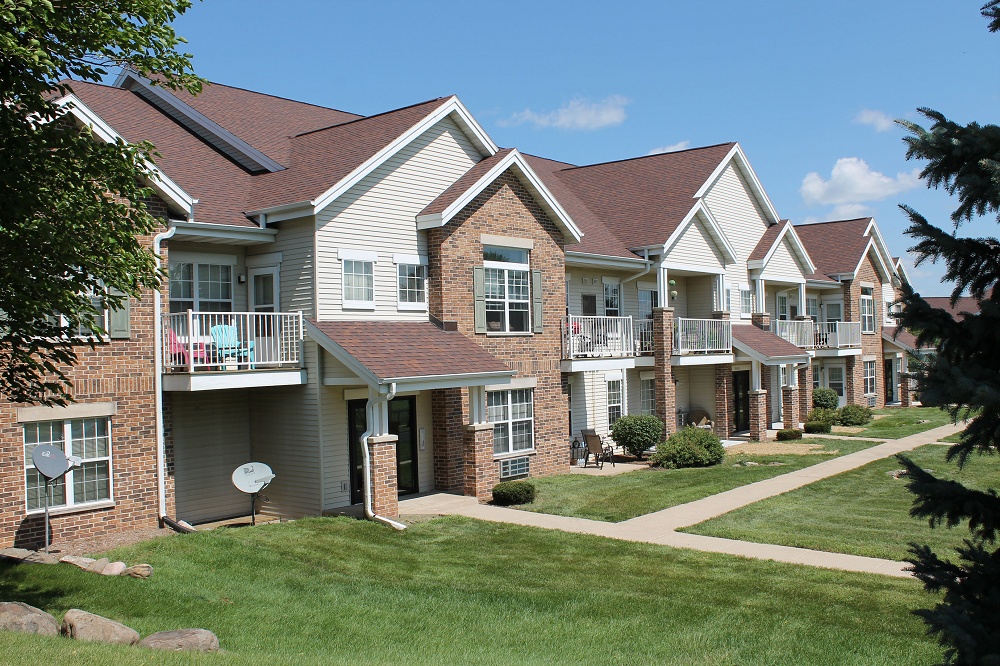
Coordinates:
(252, 478)
(51, 463)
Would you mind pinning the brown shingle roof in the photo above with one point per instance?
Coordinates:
(767, 240)
(901, 337)
(462, 185)
(965, 304)
(765, 342)
(396, 349)
(835, 247)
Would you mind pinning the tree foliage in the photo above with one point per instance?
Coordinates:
(964, 375)
(71, 212)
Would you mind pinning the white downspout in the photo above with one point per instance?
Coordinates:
(649, 267)
(161, 482)
(367, 462)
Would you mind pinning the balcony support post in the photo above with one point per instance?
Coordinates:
(190, 341)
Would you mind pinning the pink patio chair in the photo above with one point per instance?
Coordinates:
(179, 351)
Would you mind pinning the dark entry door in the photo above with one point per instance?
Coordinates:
(403, 424)
(889, 379)
(741, 400)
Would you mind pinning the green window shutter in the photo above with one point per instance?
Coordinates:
(479, 287)
(118, 320)
(536, 301)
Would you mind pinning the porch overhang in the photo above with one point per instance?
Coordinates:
(767, 348)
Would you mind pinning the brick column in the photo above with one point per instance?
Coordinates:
(790, 406)
(448, 409)
(758, 415)
(385, 491)
(854, 381)
(805, 391)
(761, 320)
(481, 471)
(765, 385)
(663, 372)
(724, 400)
(904, 391)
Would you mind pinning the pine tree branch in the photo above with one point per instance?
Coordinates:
(949, 503)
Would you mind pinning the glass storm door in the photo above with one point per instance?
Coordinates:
(403, 424)
(741, 400)
(835, 381)
(264, 289)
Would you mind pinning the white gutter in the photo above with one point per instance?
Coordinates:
(161, 488)
(649, 267)
(367, 462)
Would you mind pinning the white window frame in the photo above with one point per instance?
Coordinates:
(615, 399)
(866, 306)
(612, 297)
(353, 259)
(500, 411)
(505, 269)
(68, 480)
(407, 262)
(812, 307)
(197, 300)
(647, 396)
(746, 302)
(781, 307)
(870, 383)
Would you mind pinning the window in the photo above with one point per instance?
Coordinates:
(588, 305)
(507, 291)
(512, 416)
(614, 401)
(612, 299)
(867, 310)
(812, 308)
(201, 287)
(412, 281)
(869, 377)
(834, 312)
(782, 307)
(746, 301)
(88, 482)
(647, 396)
(359, 284)
(648, 299)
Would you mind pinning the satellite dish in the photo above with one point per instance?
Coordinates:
(50, 461)
(252, 477)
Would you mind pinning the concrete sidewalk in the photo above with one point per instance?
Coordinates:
(660, 527)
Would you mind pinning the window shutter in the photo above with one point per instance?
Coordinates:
(479, 288)
(118, 320)
(536, 301)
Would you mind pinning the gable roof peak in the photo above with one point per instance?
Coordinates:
(374, 117)
(655, 156)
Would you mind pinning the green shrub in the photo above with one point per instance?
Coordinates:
(825, 397)
(818, 426)
(637, 433)
(824, 414)
(506, 493)
(789, 434)
(690, 447)
(854, 415)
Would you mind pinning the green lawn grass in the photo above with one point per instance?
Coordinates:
(860, 512)
(904, 421)
(617, 498)
(952, 439)
(460, 591)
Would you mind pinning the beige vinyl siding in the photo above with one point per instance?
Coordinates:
(334, 370)
(771, 300)
(695, 249)
(590, 403)
(239, 290)
(783, 266)
(336, 454)
(211, 433)
(592, 282)
(680, 302)
(699, 297)
(701, 389)
(295, 242)
(286, 436)
(378, 214)
(682, 397)
(634, 405)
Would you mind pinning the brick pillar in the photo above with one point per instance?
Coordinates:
(904, 391)
(790, 406)
(481, 471)
(448, 409)
(385, 491)
(758, 415)
(663, 372)
(761, 320)
(805, 391)
(765, 385)
(854, 381)
(724, 400)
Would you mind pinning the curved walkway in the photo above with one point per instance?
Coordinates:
(660, 527)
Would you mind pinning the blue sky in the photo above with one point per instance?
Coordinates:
(808, 89)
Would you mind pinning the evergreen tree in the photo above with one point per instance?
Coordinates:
(964, 375)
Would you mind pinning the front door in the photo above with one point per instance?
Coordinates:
(890, 380)
(741, 400)
(264, 301)
(403, 424)
(835, 381)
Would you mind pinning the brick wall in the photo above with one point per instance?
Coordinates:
(119, 371)
(504, 208)
(724, 400)
(385, 497)
(871, 343)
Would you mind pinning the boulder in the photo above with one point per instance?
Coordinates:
(75, 560)
(191, 640)
(84, 626)
(139, 571)
(97, 566)
(41, 557)
(16, 554)
(17, 616)
(114, 569)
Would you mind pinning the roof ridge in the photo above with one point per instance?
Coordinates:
(377, 115)
(654, 155)
(816, 224)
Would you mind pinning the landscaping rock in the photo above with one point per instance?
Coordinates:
(77, 561)
(40, 557)
(191, 640)
(20, 617)
(24, 555)
(84, 626)
(896, 473)
(114, 569)
(97, 566)
(139, 571)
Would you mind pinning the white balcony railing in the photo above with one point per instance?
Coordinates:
(597, 337)
(838, 335)
(703, 336)
(643, 335)
(229, 341)
(799, 333)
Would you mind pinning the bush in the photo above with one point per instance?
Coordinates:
(506, 493)
(789, 434)
(823, 414)
(854, 415)
(818, 426)
(690, 447)
(825, 397)
(637, 433)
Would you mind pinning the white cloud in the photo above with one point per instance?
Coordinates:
(852, 181)
(579, 114)
(672, 148)
(850, 211)
(880, 121)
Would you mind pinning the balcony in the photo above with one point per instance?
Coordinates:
(800, 333)
(214, 350)
(702, 336)
(597, 337)
(643, 336)
(839, 337)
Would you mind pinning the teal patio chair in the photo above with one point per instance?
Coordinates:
(228, 345)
